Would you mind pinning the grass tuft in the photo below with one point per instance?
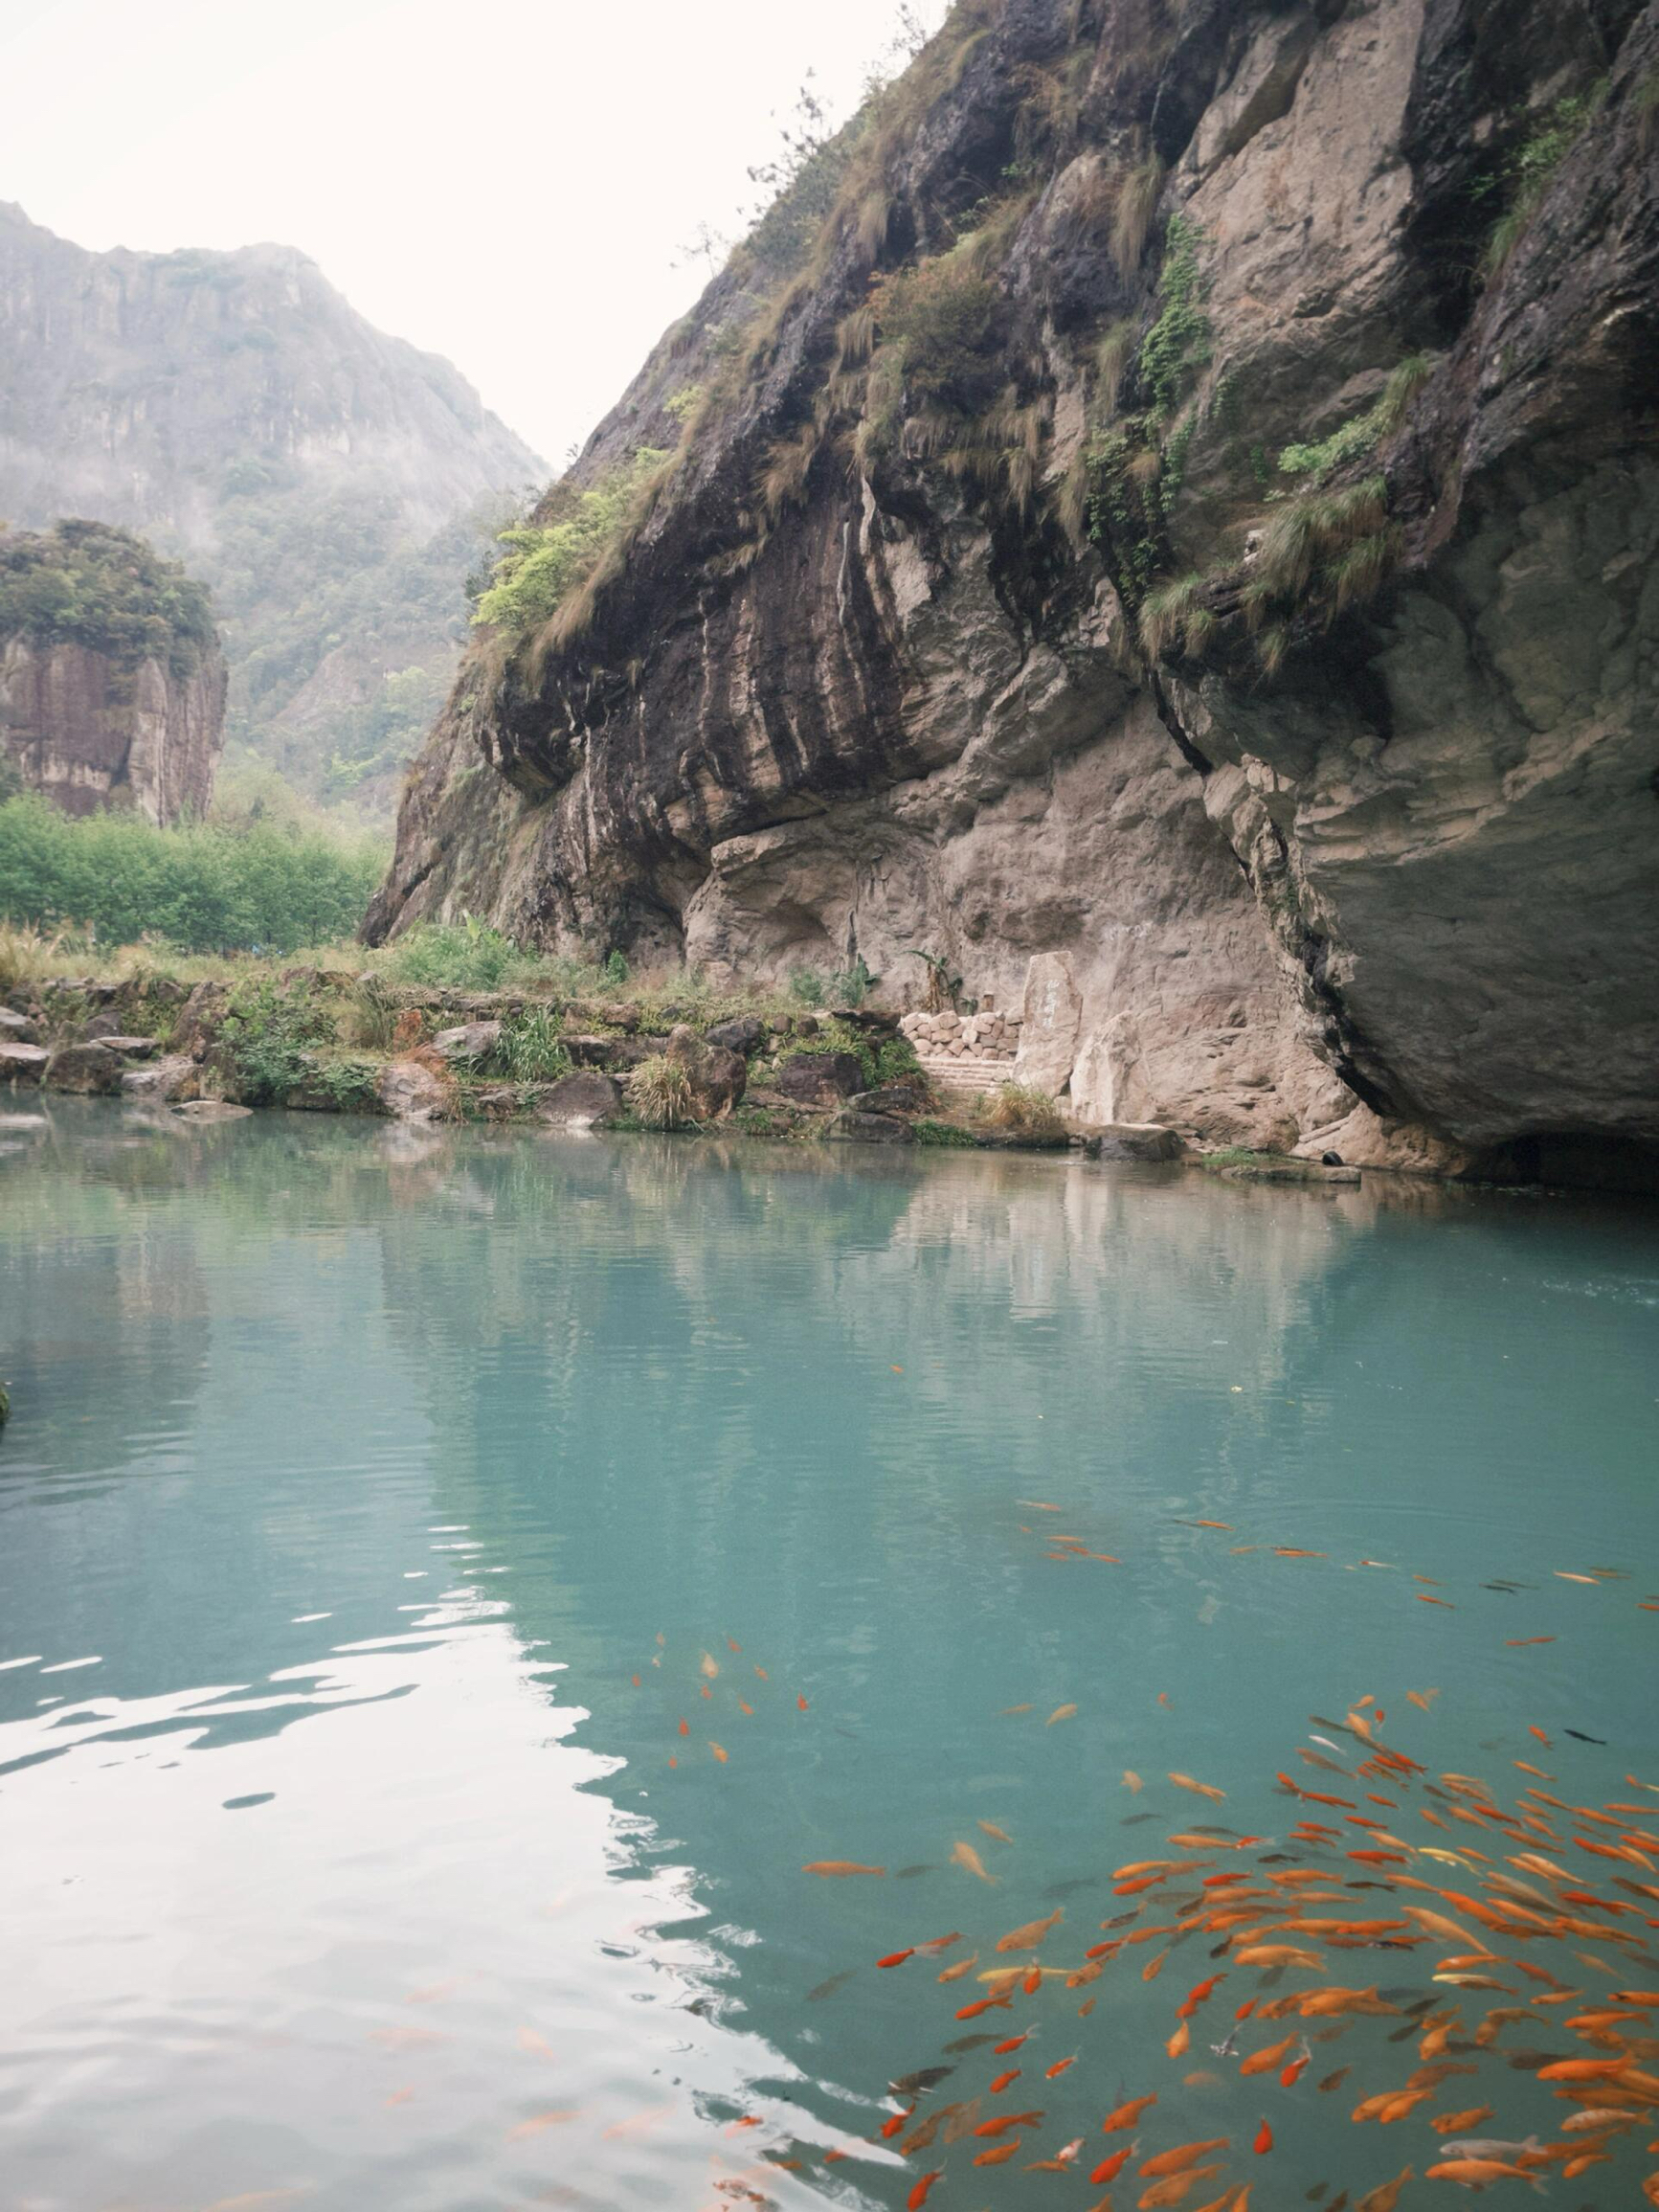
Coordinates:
(1020, 1109)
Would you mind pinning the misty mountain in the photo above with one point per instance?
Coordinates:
(333, 485)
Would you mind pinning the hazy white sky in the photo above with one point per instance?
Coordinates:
(506, 183)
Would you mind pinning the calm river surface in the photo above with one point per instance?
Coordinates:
(451, 1587)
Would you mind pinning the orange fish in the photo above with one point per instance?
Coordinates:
(1031, 1933)
(1198, 1789)
(840, 1866)
(1460, 2123)
(1178, 2160)
(965, 1856)
(1059, 2068)
(1263, 2141)
(1000, 1834)
(918, 2196)
(897, 1957)
(962, 1966)
(1000, 2127)
(1264, 2061)
(1132, 1782)
(1176, 2188)
(1000, 2154)
(1003, 2079)
(1477, 2173)
(719, 1753)
(1126, 2116)
(1060, 1713)
(1110, 2168)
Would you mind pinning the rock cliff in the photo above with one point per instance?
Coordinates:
(325, 479)
(1176, 543)
(112, 684)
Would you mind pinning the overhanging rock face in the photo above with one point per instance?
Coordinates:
(1275, 732)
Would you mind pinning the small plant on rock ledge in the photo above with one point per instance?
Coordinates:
(660, 1094)
(1020, 1109)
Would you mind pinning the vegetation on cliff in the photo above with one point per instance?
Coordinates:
(86, 584)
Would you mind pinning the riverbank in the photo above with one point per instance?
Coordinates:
(672, 1055)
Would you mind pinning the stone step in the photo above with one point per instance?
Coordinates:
(963, 1076)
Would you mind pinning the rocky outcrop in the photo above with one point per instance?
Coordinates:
(1228, 633)
(87, 733)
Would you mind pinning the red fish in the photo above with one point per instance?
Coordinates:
(918, 2196)
(1264, 2140)
(897, 1957)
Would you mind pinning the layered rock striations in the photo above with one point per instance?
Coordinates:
(112, 684)
(1176, 545)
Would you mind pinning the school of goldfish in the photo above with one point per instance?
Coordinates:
(1472, 1945)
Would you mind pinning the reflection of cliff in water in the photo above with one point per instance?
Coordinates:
(594, 1279)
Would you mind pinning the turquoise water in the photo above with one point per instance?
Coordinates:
(355, 1475)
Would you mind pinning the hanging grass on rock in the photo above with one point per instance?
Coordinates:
(660, 1094)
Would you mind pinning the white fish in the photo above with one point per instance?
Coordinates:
(1487, 2147)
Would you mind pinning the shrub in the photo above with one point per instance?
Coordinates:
(943, 1135)
(367, 1017)
(806, 988)
(532, 1047)
(469, 956)
(942, 318)
(1531, 169)
(348, 1085)
(202, 887)
(896, 1062)
(268, 1032)
(1020, 1109)
(546, 561)
(660, 1093)
(1361, 433)
(615, 970)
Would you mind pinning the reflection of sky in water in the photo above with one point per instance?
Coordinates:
(427, 1439)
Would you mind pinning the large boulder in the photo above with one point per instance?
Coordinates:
(1133, 1140)
(17, 1029)
(606, 1051)
(820, 1078)
(160, 1082)
(199, 1019)
(21, 1062)
(859, 1128)
(130, 1047)
(577, 1101)
(468, 1044)
(889, 1099)
(718, 1075)
(409, 1091)
(93, 1071)
(1051, 1017)
(744, 1033)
